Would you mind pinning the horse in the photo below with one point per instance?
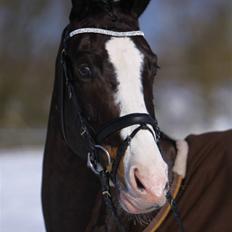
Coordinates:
(107, 166)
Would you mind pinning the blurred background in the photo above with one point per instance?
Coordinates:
(193, 89)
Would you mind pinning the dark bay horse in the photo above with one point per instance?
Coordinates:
(107, 166)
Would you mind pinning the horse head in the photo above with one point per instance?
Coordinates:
(112, 77)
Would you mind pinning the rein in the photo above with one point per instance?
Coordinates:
(98, 158)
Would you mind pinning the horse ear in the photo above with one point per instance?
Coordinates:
(79, 9)
(137, 7)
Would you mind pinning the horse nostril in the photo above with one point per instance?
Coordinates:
(166, 187)
(139, 184)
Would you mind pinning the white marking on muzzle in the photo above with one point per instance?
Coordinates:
(127, 61)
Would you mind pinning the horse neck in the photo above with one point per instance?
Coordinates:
(69, 187)
(169, 151)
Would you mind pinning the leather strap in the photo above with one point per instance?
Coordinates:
(123, 122)
(166, 209)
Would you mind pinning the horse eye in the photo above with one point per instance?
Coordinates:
(85, 72)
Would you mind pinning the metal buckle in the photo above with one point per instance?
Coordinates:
(83, 131)
(95, 166)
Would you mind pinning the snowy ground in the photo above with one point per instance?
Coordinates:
(183, 110)
(20, 183)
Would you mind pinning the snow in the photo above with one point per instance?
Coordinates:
(20, 187)
(182, 110)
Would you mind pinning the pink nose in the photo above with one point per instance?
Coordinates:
(147, 184)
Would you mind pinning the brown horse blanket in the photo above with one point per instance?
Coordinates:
(205, 198)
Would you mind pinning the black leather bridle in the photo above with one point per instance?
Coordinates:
(97, 157)
(94, 140)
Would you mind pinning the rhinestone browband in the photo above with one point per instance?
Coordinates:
(105, 32)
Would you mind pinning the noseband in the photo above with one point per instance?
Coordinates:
(98, 158)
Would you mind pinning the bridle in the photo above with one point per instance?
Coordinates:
(98, 158)
(95, 139)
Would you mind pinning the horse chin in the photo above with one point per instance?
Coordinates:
(134, 205)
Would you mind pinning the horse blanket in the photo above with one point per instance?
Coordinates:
(205, 198)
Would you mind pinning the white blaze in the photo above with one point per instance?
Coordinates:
(127, 61)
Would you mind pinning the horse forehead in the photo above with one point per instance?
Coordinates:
(123, 52)
(127, 61)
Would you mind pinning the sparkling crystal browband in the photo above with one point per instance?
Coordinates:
(106, 32)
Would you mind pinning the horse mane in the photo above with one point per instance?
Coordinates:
(85, 8)
(91, 7)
